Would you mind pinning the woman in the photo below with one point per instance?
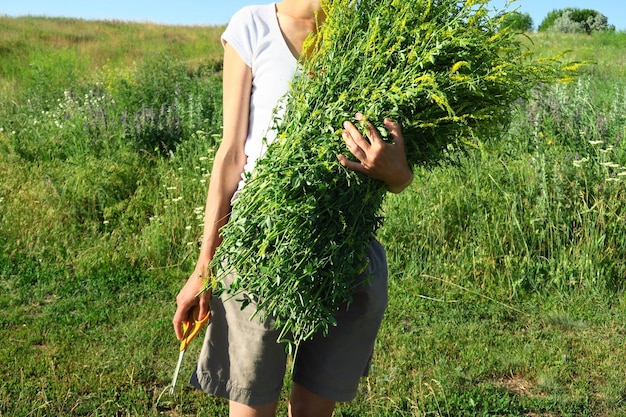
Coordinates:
(240, 359)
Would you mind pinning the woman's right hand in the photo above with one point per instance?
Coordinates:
(189, 296)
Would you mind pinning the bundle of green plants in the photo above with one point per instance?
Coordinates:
(299, 230)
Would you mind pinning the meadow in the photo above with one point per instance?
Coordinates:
(506, 269)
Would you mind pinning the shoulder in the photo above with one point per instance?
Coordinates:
(248, 15)
(246, 27)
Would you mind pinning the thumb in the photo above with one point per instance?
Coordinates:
(204, 304)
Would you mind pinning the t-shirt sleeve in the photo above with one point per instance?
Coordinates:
(240, 33)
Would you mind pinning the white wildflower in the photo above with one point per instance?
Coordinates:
(610, 164)
(578, 163)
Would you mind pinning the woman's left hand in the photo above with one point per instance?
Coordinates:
(376, 158)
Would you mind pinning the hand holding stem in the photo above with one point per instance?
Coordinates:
(376, 158)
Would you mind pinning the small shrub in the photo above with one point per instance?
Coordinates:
(164, 104)
(517, 21)
(573, 20)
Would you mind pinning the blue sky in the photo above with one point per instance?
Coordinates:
(215, 12)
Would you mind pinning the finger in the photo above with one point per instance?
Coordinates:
(356, 135)
(352, 165)
(204, 303)
(179, 318)
(394, 130)
(182, 315)
(372, 132)
(352, 145)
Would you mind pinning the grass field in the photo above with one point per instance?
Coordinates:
(507, 271)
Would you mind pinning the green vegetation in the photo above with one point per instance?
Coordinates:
(518, 21)
(444, 70)
(507, 271)
(573, 20)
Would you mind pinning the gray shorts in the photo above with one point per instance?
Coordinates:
(241, 361)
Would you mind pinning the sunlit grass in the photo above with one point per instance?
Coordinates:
(604, 49)
(506, 272)
(104, 42)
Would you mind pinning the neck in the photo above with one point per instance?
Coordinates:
(303, 10)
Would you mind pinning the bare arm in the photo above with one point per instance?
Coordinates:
(225, 176)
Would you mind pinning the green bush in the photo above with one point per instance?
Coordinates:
(517, 21)
(150, 109)
(573, 20)
(164, 103)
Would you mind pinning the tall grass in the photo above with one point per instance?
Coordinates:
(506, 271)
(540, 211)
(601, 48)
(91, 154)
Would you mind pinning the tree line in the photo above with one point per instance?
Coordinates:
(568, 20)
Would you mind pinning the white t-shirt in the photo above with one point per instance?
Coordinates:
(256, 36)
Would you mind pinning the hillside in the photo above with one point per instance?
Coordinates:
(86, 46)
(506, 270)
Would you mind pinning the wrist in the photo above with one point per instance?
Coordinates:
(398, 187)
